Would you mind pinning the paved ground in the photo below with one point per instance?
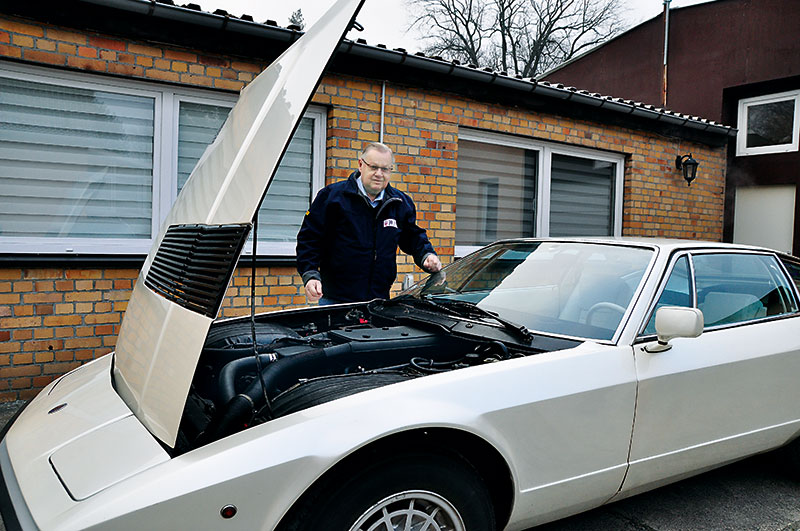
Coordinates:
(753, 495)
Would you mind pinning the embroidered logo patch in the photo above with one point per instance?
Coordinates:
(389, 223)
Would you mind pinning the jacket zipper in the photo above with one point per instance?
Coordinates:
(375, 236)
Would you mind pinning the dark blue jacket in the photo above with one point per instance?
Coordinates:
(352, 246)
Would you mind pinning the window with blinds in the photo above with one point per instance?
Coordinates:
(510, 187)
(74, 162)
(289, 194)
(198, 125)
(496, 193)
(91, 165)
(581, 196)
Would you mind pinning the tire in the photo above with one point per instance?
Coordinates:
(442, 492)
(788, 457)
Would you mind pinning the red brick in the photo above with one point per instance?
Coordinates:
(212, 61)
(60, 368)
(43, 333)
(122, 273)
(41, 345)
(66, 36)
(22, 370)
(83, 273)
(111, 44)
(163, 75)
(102, 318)
(21, 383)
(127, 70)
(19, 27)
(180, 56)
(87, 51)
(20, 322)
(145, 50)
(44, 309)
(82, 342)
(61, 320)
(23, 310)
(83, 63)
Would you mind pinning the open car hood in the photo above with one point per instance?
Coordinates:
(187, 271)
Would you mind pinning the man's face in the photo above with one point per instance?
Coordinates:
(376, 170)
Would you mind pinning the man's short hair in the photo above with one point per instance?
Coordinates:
(377, 146)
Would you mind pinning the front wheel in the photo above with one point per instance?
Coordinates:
(410, 493)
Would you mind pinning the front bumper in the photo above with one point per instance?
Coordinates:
(55, 453)
(16, 516)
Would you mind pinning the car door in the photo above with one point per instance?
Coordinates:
(731, 391)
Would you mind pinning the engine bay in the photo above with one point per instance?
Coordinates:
(315, 355)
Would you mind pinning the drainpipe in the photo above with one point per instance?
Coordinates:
(383, 106)
(666, 43)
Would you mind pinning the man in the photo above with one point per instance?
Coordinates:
(347, 245)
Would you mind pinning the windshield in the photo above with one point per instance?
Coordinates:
(563, 288)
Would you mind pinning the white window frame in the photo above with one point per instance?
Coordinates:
(741, 137)
(545, 150)
(166, 101)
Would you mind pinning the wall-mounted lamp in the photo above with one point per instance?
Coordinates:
(689, 166)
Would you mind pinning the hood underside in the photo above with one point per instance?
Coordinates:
(184, 277)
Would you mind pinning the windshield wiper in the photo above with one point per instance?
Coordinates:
(473, 309)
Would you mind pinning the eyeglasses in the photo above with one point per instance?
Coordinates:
(373, 167)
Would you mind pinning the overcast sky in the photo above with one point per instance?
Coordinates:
(386, 21)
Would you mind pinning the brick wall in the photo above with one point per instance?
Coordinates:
(55, 318)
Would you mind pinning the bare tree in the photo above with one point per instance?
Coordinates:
(457, 28)
(522, 37)
(296, 19)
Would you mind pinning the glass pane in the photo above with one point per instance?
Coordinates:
(794, 270)
(581, 197)
(733, 288)
(770, 124)
(677, 292)
(289, 194)
(496, 194)
(198, 125)
(564, 288)
(74, 163)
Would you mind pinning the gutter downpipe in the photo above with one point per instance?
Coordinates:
(666, 44)
(383, 107)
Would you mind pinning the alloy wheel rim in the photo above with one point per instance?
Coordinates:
(411, 510)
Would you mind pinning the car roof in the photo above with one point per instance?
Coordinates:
(664, 244)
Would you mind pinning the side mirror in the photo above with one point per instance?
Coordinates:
(676, 321)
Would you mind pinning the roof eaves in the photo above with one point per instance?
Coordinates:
(221, 20)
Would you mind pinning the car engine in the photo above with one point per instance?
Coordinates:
(312, 356)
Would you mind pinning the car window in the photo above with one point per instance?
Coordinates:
(793, 267)
(677, 292)
(565, 288)
(734, 288)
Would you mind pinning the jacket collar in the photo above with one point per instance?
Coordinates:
(352, 186)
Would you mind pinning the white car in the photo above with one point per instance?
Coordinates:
(529, 381)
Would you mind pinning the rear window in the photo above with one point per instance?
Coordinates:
(793, 267)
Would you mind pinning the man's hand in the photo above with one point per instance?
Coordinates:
(313, 290)
(432, 264)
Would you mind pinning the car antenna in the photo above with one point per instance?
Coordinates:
(267, 406)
